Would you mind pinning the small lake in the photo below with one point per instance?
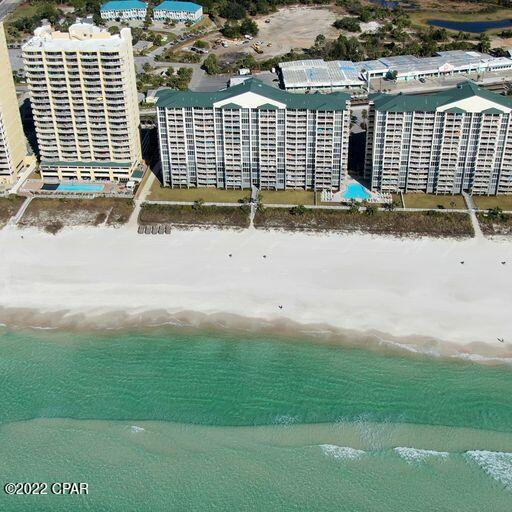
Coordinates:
(471, 26)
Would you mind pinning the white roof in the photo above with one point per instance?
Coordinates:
(81, 36)
(318, 73)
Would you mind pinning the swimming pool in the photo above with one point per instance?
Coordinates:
(356, 191)
(80, 187)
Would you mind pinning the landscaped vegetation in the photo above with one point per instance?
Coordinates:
(54, 214)
(28, 16)
(432, 223)
(195, 215)
(495, 222)
(9, 207)
(176, 79)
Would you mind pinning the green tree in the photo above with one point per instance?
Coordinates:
(211, 65)
(348, 24)
(298, 210)
(249, 26)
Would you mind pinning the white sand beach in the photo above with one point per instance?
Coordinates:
(398, 287)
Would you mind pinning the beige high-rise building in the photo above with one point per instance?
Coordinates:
(84, 102)
(13, 145)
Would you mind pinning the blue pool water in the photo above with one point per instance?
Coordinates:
(471, 26)
(80, 187)
(356, 191)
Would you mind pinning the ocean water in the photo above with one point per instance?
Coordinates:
(181, 421)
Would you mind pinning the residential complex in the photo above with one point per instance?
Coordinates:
(84, 102)
(124, 10)
(178, 11)
(253, 134)
(13, 148)
(316, 74)
(452, 141)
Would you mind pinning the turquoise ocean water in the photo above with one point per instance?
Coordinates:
(179, 421)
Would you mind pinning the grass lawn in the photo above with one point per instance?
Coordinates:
(9, 206)
(209, 195)
(54, 214)
(186, 215)
(25, 10)
(433, 201)
(434, 224)
(287, 197)
(487, 202)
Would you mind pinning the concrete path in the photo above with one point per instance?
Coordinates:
(139, 199)
(474, 220)
(23, 208)
(254, 205)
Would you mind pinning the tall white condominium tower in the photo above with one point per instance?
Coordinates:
(13, 146)
(452, 141)
(253, 134)
(84, 101)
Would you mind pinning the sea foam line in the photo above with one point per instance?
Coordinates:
(497, 465)
(341, 452)
(412, 455)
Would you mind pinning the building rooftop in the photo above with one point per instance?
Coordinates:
(123, 5)
(169, 5)
(83, 36)
(179, 99)
(432, 102)
(318, 73)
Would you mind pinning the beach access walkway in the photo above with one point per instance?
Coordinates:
(140, 198)
(23, 208)
(472, 214)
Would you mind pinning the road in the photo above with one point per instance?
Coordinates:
(7, 6)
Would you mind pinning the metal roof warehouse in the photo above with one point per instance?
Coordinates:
(340, 74)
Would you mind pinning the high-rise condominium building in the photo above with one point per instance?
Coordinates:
(84, 101)
(452, 141)
(13, 146)
(253, 134)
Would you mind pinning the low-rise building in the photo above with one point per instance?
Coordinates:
(124, 10)
(315, 74)
(452, 141)
(253, 134)
(178, 11)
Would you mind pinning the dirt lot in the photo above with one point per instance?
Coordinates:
(54, 214)
(8, 207)
(290, 27)
(457, 225)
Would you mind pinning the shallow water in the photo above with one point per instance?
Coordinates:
(174, 421)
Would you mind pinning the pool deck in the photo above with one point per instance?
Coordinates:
(109, 188)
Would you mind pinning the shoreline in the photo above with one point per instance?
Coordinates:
(413, 294)
(163, 322)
